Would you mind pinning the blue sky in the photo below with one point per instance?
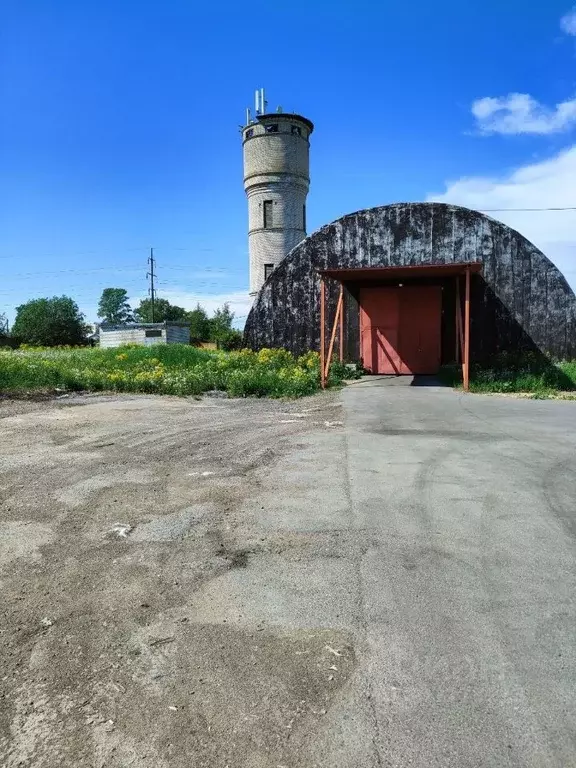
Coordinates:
(119, 128)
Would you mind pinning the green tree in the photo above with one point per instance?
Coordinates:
(199, 324)
(163, 310)
(221, 324)
(49, 322)
(113, 306)
(4, 331)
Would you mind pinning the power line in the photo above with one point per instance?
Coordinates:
(502, 210)
(136, 268)
(111, 252)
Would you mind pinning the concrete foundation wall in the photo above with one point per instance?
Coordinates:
(171, 334)
(176, 334)
(119, 337)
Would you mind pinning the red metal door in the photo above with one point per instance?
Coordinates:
(420, 320)
(400, 329)
(379, 322)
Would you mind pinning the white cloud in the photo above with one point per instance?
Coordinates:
(568, 22)
(546, 184)
(519, 113)
(240, 302)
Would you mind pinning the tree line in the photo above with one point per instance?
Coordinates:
(58, 321)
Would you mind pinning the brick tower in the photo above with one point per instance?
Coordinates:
(276, 180)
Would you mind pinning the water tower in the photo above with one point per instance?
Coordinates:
(276, 179)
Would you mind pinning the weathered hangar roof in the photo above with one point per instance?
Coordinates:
(365, 274)
(518, 278)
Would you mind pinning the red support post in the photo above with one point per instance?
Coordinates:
(458, 322)
(333, 336)
(466, 367)
(322, 331)
(341, 345)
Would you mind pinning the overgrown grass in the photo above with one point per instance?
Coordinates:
(526, 373)
(173, 369)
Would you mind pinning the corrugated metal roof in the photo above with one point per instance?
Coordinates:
(137, 326)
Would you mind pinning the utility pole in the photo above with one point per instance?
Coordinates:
(152, 276)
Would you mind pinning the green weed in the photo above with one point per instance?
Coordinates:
(520, 373)
(165, 369)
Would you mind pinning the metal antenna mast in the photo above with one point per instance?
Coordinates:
(152, 289)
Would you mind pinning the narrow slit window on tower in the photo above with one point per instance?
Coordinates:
(297, 130)
(304, 217)
(272, 128)
(268, 269)
(268, 214)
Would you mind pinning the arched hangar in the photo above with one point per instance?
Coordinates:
(417, 285)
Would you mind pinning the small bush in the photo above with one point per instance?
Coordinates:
(230, 340)
(340, 371)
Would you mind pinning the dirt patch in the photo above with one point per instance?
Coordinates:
(124, 541)
(21, 538)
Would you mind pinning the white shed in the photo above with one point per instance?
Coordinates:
(144, 333)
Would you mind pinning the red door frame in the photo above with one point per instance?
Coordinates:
(462, 337)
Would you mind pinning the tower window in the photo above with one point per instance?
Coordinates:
(268, 214)
(249, 133)
(304, 217)
(268, 269)
(272, 128)
(296, 130)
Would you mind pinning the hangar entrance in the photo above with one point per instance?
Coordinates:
(407, 315)
(400, 329)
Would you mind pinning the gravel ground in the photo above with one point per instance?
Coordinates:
(118, 514)
(382, 576)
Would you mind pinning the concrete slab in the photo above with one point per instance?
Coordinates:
(469, 595)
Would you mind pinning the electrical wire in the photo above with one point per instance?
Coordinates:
(136, 268)
(532, 210)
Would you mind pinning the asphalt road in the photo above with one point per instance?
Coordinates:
(379, 577)
(467, 583)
